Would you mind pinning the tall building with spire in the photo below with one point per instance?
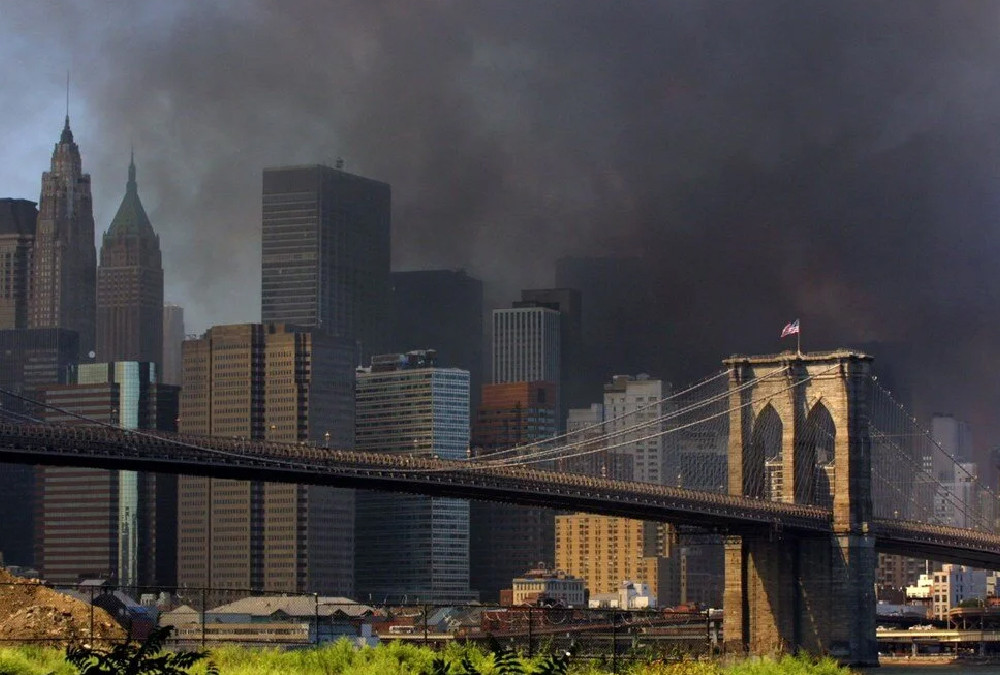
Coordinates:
(62, 288)
(130, 285)
(18, 219)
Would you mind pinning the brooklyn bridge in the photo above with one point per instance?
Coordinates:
(802, 462)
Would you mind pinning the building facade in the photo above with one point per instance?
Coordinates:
(443, 308)
(173, 338)
(584, 429)
(130, 285)
(606, 551)
(507, 539)
(638, 400)
(29, 360)
(621, 328)
(545, 586)
(325, 253)
(280, 383)
(118, 525)
(526, 343)
(62, 286)
(573, 387)
(18, 219)
(953, 584)
(412, 548)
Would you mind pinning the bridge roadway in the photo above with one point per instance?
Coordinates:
(117, 449)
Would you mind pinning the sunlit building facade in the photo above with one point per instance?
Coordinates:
(117, 525)
(412, 548)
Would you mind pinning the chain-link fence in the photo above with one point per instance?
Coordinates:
(97, 612)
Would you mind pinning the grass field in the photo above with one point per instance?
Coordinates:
(398, 659)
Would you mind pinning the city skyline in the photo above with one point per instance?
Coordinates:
(501, 162)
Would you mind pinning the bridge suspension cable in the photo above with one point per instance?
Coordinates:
(604, 423)
(517, 452)
(549, 455)
(916, 478)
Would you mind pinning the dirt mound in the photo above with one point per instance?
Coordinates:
(30, 612)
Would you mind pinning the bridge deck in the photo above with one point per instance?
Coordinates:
(110, 448)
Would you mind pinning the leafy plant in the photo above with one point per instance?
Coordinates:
(136, 658)
(506, 661)
(439, 666)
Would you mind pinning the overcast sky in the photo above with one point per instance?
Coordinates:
(769, 159)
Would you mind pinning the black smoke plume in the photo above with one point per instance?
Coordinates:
(764, 159)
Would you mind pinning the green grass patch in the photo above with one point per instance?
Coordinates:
(405, 659)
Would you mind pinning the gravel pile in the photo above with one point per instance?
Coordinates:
(30, 612)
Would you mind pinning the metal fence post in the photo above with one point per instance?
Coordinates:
(426, 621)
(614, 642)
(93, 639)
(316, 598)
(203, 606)
(531, 649)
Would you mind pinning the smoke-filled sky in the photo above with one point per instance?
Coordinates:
(767, 159)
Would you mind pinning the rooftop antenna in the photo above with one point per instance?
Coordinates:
(67, 94)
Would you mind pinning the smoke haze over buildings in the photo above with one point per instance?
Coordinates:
(765, 160)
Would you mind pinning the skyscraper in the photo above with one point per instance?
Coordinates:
(29, 360)
(412, 546)
(173, 337)
(325, 253)
(62, 286)
(120, 525)
(18, 219)
(526, 343)
(638, 400)
(130, 285)
(526, 375)
(573, 388)
(620, 317)
(507, 539)
(443, 308)
(280, 383)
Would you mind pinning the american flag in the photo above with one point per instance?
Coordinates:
(791, 328)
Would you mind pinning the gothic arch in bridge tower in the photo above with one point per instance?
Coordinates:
(764, 451)
(815, 448)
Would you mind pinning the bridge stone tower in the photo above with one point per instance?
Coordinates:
(787, 591)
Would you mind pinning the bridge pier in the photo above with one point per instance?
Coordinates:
(793, 591)
(785, 594)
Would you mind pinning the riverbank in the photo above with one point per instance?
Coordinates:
(938, 661)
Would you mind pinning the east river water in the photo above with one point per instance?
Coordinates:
(932, 669)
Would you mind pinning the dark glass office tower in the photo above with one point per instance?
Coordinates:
(29, 361)
(443, 309)
(325, 254)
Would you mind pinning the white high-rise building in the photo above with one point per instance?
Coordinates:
(638, 400)
(412, 548)
(526, 345)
